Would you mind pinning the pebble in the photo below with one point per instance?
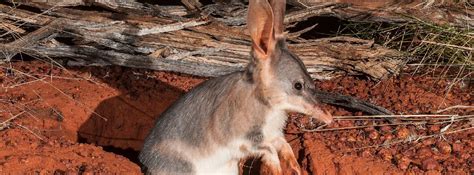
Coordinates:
(465, 156)
(443, 147)
(410, 173)
(385, 154)
(470, 143)
(374, 135)
(434, 128)
(366, 153)
(403, 133)
(386, 129)
(403, 163)
(369, 129)
(457, 147)
(351, 139)
(424, 153)
(432, 172)
(430, 164)
(387, 137)
(428, 142)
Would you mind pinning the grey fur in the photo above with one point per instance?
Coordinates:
(188, 119)
(255, 134)
(291, 69)
(218, 111)
(180, 165)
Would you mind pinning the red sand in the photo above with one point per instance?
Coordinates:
(63, 127)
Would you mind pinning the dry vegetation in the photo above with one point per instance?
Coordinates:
(212, 42)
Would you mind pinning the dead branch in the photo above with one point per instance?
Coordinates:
(200, 46)
(456, 13)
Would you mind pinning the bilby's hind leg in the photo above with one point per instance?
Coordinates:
(279, 149)
(270, 160)
(287, 156)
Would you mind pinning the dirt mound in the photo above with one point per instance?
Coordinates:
(23, 153)
(86, 119)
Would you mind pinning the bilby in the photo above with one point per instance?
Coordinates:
(242, 114)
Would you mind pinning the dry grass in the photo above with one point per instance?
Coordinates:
(430, 3)
(436, 50)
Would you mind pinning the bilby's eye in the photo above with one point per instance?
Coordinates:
(298, 86)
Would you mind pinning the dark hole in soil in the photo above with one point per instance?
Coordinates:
(81, 169)
(252, 166)
(131, 154)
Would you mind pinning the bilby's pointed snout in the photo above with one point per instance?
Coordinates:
(321, 115)
(310, 106)
(313, 108)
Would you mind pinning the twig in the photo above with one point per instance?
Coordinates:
(396, 116)
(30, 40)
(359, 127)
(170, 27)
(25, 83)
(5, 123)
(39, 137)
(418, 138)
(449, 45)
(410, 119)
(455, 107)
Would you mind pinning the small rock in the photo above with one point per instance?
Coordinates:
(428, 142)
(432, 172)
(366, 153)
(386, 129)
(369, 129)
(351, 139)
(410, 173)
(403, 163)
(470, 143)
(434, 128)
(346, 123)
(59, 172)
(424, 153)
(443, 147)
(385, 154)
(403, 133)
(387, 137)
(457, 147)
(430, 164)
(465, 156)
(374, 135)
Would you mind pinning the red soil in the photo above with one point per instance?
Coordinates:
(94, 120)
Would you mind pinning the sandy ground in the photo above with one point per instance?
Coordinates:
(91, 120)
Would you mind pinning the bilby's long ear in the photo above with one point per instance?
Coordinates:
(278, 7)
(265, 22)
